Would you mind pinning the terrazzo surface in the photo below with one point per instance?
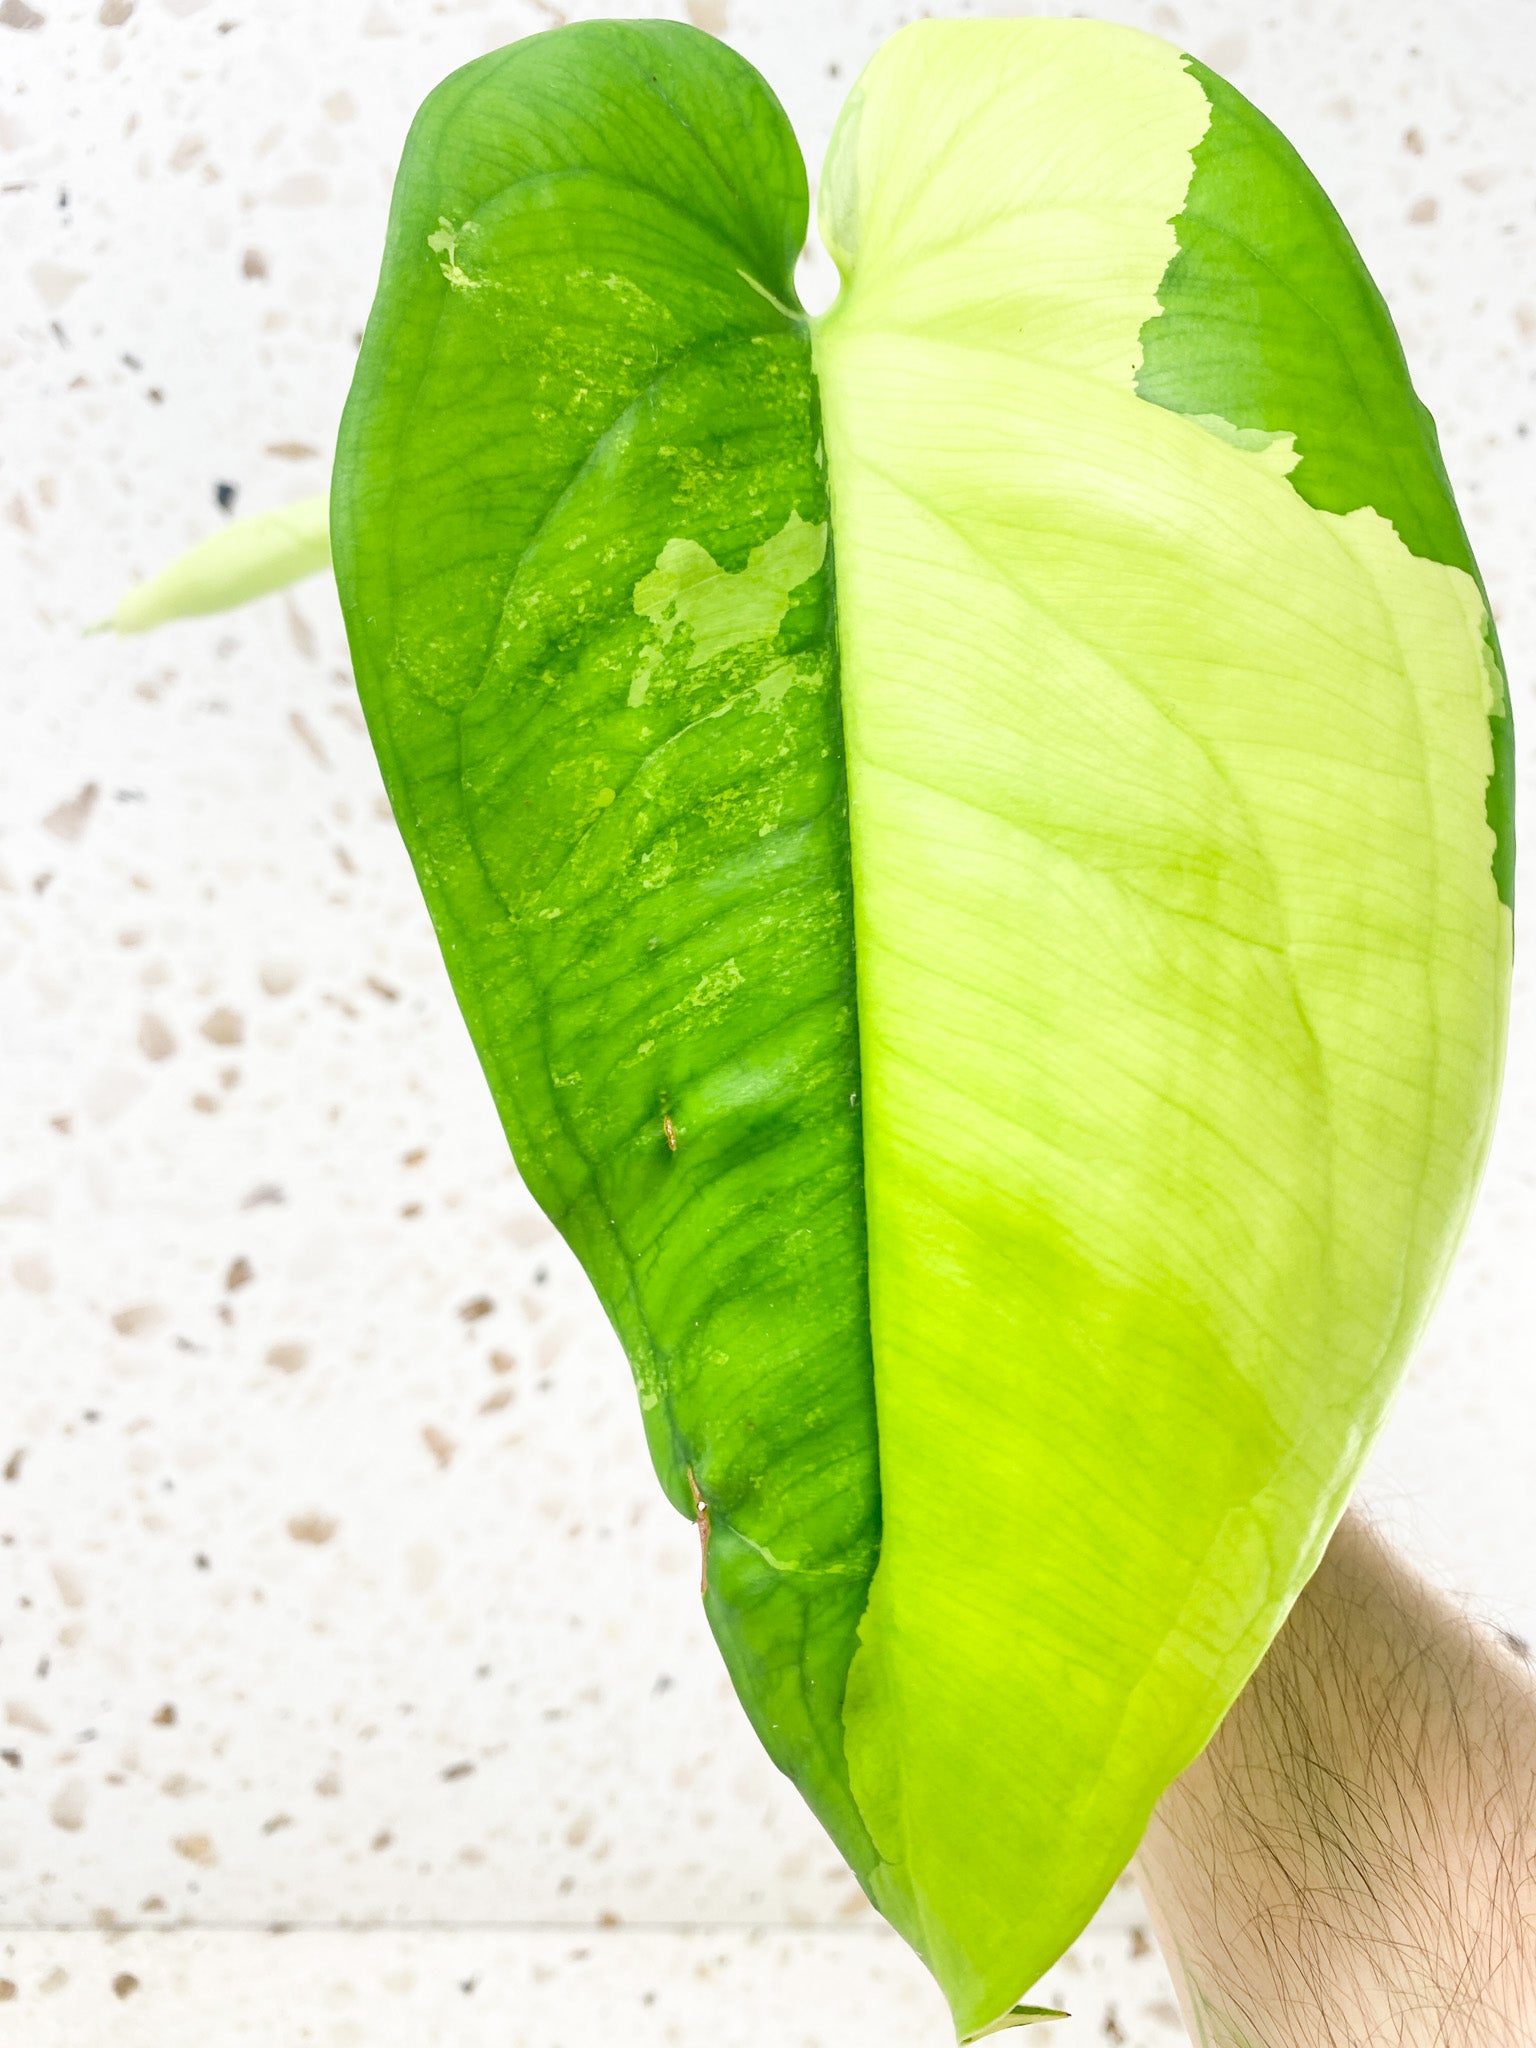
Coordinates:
(336, 1595)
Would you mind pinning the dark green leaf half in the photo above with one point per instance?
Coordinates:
(580, 528)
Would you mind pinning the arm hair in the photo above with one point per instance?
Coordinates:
(1352, 1861)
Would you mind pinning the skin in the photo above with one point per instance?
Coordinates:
(1353, 1857)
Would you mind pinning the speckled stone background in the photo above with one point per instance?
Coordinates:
(352, 1678)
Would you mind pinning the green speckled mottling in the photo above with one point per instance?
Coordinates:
(580, 529)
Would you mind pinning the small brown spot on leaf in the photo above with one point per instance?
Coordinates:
(166, 1717)
(1424, 210)
(196, 1849)
(474, 1309)
(241, 1273)
(13, 1464)
(288, 1357)
(253, 264)
(701, 1514)
(291, 451)
(383, 988)
(442, 1447)
(458, 1771)
(311, 1528)
(124, 1984)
